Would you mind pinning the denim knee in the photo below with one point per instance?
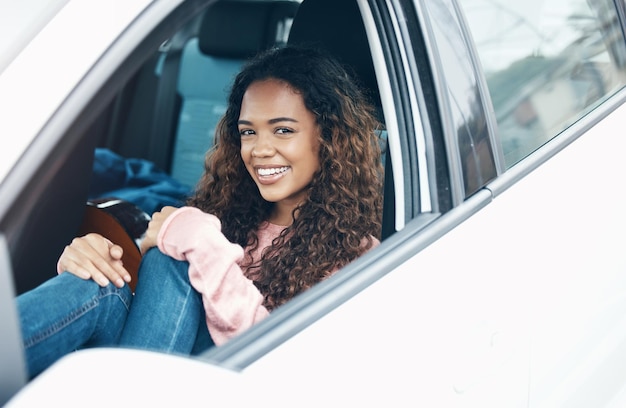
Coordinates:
(154, 263)
(166, 309)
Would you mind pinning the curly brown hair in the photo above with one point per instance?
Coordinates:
(336, 223)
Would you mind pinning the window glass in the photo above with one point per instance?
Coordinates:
(466, 107)
(547, 63)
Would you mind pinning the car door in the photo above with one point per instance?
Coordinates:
(561, 85)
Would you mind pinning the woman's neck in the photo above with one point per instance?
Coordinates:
(281, 215)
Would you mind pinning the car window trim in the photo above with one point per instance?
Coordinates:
(425, 197)
(481, 82)
(457, 189)
(389, 109)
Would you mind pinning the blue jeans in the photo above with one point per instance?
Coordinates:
(67, 313)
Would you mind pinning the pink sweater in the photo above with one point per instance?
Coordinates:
(231, 301)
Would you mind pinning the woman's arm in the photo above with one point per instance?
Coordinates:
(231, 301)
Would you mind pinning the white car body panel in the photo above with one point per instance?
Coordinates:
(44, 73)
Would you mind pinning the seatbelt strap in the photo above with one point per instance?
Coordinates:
(163, 133)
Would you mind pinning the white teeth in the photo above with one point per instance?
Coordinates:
(270, 172)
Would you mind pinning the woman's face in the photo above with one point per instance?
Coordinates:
(279, 142)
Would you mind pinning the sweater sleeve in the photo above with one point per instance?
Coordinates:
(231, 301)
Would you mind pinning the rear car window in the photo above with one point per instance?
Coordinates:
(547, 63)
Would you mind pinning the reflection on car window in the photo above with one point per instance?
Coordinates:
(547, 63)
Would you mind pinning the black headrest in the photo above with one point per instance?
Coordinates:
(337, 27)
(240, 29)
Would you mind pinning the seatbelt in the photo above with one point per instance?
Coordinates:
(163, 134)
(168, 65)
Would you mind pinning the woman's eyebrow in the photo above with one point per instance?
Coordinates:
(276, 120)
(271, 121)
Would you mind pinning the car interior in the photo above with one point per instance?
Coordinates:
(147, 144)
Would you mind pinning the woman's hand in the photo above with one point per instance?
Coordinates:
(95, 257)
(158, 218)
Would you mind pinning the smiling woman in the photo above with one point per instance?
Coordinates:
(224, 263)
(318, 137)
(279, 145)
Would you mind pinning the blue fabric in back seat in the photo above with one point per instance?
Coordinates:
(135, 180)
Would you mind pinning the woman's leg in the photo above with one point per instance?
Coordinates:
(66, 313)
(167, 313)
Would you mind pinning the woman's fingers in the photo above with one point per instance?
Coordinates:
(154, 226)
(95, 257)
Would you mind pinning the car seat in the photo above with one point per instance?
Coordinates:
(230, 32)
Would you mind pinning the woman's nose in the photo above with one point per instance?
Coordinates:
(263, 146)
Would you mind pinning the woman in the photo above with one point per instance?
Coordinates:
(291, 193)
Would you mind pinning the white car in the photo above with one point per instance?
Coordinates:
(501, 279)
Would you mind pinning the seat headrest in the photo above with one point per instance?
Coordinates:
(240, 29)
(337, 27)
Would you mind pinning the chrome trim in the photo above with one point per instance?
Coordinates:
(425, 197)
(389, 109)
(457, 189)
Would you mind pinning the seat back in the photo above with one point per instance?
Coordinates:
(337, 27)
(229, 34)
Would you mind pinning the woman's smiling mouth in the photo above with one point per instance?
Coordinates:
(269, 175)
(271, 171)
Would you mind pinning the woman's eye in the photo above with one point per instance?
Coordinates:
(246, 132)
(283, 131)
